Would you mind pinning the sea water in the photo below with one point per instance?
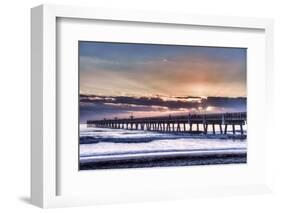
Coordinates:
(103, 148)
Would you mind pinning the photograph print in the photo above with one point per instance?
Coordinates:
(156, 105)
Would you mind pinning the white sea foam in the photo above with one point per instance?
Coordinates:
(162, 146)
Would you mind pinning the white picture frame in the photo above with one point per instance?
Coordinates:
(44, 148)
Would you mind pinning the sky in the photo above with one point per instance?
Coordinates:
(143, 80)
(166, 70)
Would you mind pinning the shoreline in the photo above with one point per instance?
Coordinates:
(166, 160)
(172, 162)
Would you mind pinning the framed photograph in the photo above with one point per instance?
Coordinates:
(146, 119)
(129, 106)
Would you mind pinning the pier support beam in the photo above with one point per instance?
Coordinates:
(178, 127)
(205, 128)
(168, 128)
(179, 123)
(241, 129)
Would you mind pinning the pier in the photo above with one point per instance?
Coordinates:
(227, 123)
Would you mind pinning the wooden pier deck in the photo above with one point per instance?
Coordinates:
(179, 123)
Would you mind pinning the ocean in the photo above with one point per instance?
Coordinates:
(102, 148)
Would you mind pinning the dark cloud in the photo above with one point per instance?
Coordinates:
(99, 107)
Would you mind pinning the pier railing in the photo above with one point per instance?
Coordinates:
(181, 123)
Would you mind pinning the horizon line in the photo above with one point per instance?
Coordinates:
(187, 96)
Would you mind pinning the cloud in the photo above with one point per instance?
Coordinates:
(99, 107)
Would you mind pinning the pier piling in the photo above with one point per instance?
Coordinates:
(178, 123)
